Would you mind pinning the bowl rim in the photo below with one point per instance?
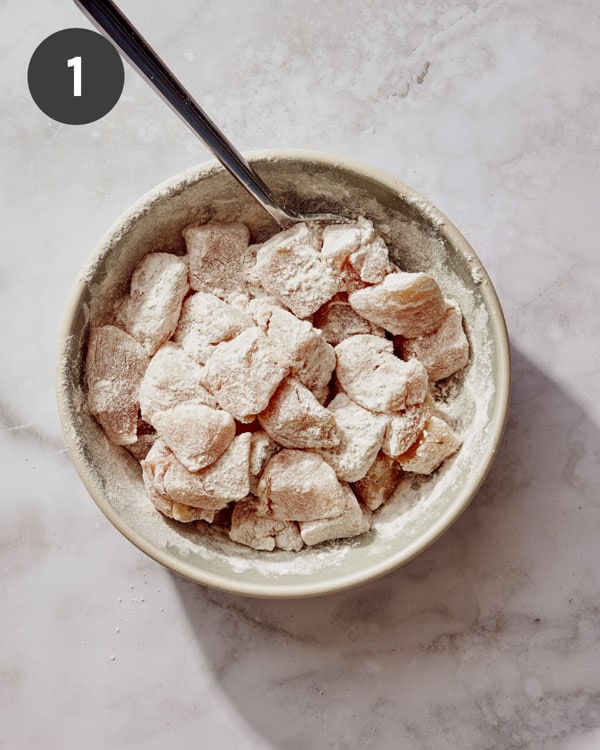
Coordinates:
(280, 590)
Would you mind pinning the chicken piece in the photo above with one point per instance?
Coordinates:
(216, 485)
(357, 253)
(355, 519)
(379, 483)
(361, 433)
(370, 373)
(151, 310)
(436, 443)
(341, 240)
(405, 427)
(295, 419)
(443, 351)
(312, 358)
(146, 435)
(115, 365)
(172, 378)
(359, 246)
(406, 304)
(211, 488)
(299, 486)
(262, 449)
(244, 373)
(195, 433)
(256, 531)
(338, 320)
(290, 267)
(154, 468)
(206, 321)
(216, 257)
(371, 261)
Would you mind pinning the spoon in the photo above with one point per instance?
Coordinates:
(105, 15)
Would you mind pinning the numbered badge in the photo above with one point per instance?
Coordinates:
(75, 76)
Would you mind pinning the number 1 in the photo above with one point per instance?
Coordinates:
(75, 63)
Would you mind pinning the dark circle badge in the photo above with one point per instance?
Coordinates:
(75, 76)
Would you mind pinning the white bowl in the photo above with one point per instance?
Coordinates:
(420, 238)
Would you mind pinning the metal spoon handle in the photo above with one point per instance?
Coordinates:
(108, 18)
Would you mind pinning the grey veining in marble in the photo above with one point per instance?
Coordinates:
(490, 639)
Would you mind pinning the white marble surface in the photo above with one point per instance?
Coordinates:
(491, 639)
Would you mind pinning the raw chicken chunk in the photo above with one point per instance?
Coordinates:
(370, 373)
(379, 483)
(195, 433)
(290, 267)
(371, 261)
(312, 358)
(295, 419)
(172, 378)
(244, 373)
(216, 257)
(205, 321)
(216, 485)
(436, 443)
(361, 433)
(262, 449)
(359, 246)
(406, 304)
(253, 530)
(299, 486)
(210, 488)
(355, 519)
(338, 320)
(405, 427)
(115, 365)
(151, 311)
(443, 351)
(153, 470)
(341, 240)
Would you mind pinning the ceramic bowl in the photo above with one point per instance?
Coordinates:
(420, 238)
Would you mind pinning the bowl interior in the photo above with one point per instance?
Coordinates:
(420, 238)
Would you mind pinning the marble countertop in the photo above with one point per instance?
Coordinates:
(490, 639)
